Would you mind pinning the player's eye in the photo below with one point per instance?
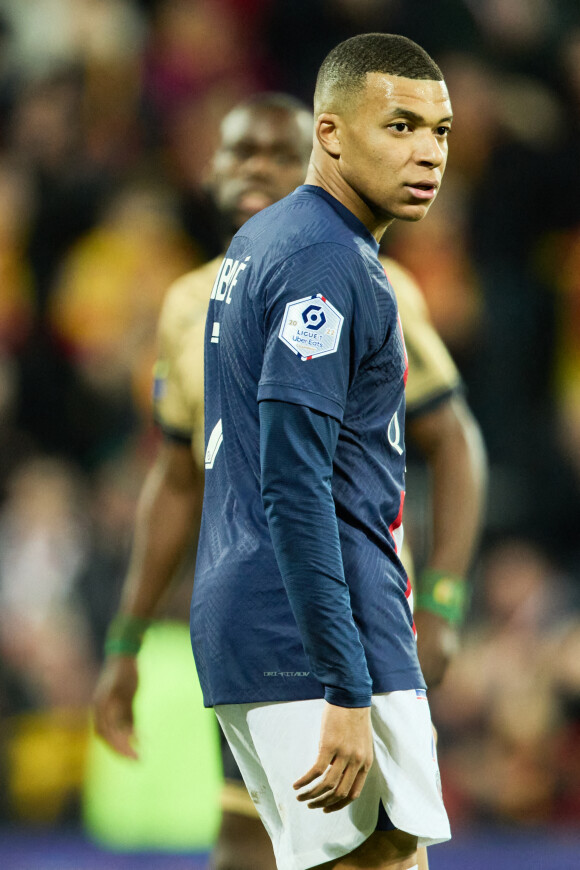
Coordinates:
(444, 130)
(399, 127)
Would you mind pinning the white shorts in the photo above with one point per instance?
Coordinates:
(275, 744)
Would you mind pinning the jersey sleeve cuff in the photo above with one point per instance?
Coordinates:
(430, 403)
(344, 698)
(297, 396)
(173, 433)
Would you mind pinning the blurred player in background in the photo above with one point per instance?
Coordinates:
(263, 155)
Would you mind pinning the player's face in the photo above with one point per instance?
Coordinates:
(263, 157)
(393, 144)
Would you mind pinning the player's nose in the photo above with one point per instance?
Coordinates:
(429, 151)
(258, 165)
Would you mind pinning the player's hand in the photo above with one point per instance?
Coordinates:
(344, 759)
(113, 704)
(437, 644)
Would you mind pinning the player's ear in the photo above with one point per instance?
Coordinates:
(327, 133)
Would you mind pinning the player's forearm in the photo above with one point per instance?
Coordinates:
(163, 531)
(456, 456)
(296, 456)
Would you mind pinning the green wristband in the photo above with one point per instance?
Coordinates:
(125, 635)
(443, 594)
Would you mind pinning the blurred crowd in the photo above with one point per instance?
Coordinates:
(109, 111)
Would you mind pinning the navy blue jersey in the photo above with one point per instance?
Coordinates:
(301, 312)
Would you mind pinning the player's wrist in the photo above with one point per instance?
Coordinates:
(442, 593)
(125, 635)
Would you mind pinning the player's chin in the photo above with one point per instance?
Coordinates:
(413, 212)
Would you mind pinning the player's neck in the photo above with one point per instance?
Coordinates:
(330, 180)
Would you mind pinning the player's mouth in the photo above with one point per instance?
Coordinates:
(423, 189)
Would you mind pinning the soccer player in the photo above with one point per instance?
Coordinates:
(301, 626)
(252, 155)
(440, 424)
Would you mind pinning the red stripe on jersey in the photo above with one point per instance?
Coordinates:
(399, 518)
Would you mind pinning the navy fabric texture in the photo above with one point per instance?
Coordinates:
(302, 314)
(297, 448)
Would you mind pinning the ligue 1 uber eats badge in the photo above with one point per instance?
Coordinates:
(311, 327)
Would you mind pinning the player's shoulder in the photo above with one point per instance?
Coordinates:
(432, 372)
(299, 224)
(187, 298)
(409, 296)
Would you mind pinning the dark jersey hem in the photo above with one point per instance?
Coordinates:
(399, 681)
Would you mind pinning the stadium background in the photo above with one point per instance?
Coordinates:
(109, 111)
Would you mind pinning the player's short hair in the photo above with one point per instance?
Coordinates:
(344, 70)
(273, 100)
(279, 101)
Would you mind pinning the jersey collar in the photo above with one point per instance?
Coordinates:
(347, 216)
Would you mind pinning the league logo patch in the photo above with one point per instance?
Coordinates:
(311, 327)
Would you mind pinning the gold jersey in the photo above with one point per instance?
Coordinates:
(178, 384)
(432, 373)
(178, 393)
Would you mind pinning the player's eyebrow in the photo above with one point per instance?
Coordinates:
(400, 112)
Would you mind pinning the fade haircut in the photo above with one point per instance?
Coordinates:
(344, 70)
